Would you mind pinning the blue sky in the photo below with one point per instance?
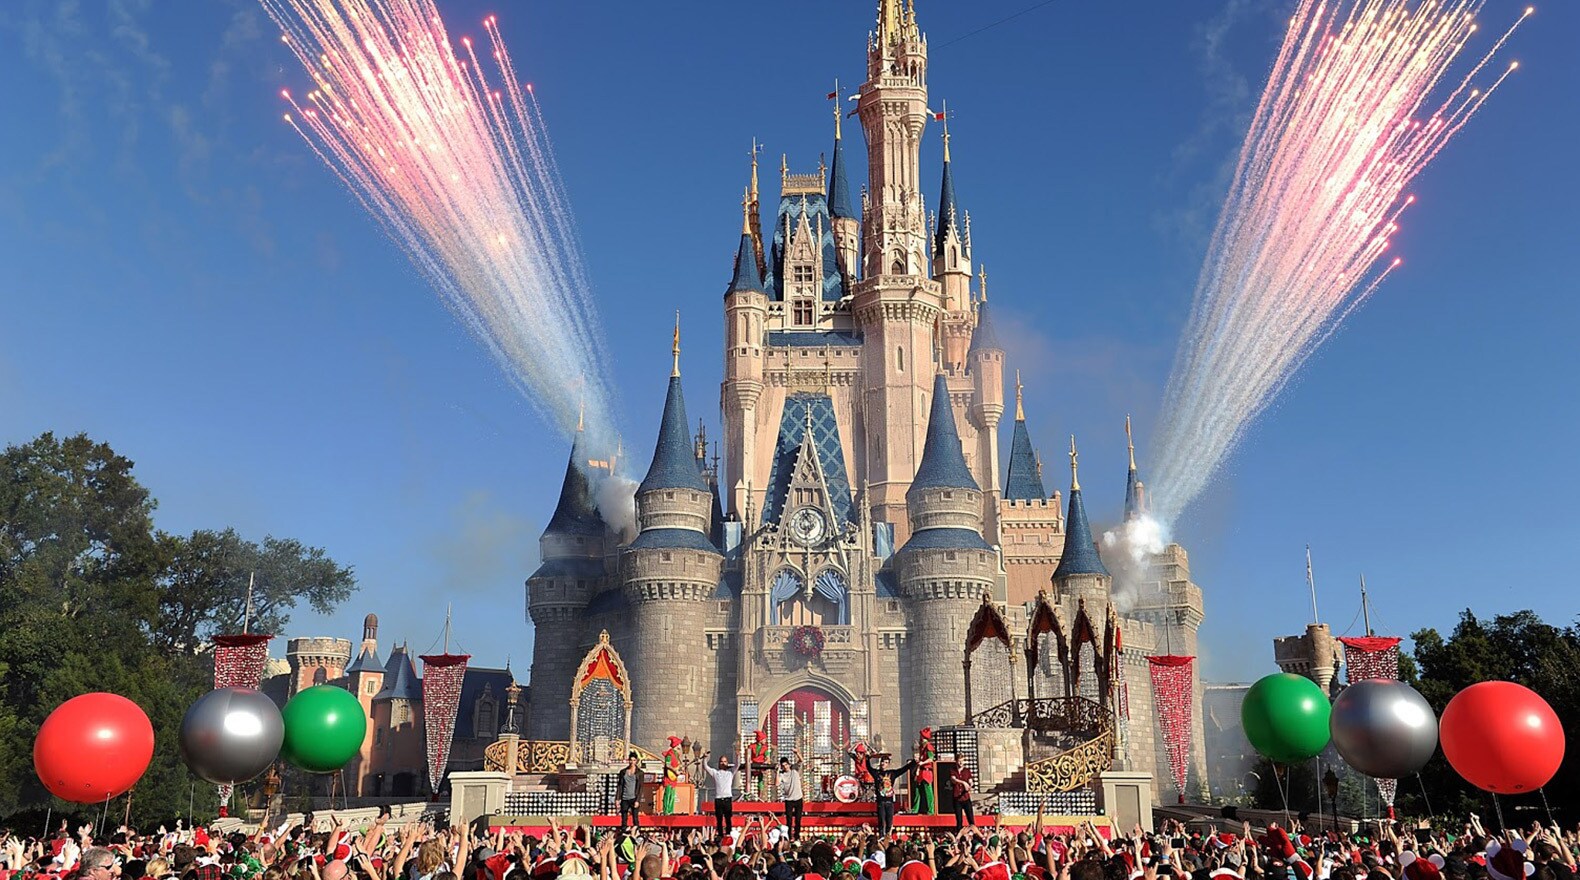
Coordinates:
(183, 280)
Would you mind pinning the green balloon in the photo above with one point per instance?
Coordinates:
(1285, 717)
(324, 728)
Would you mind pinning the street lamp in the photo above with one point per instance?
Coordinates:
(1330, 784)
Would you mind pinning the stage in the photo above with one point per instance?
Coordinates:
(819, 817)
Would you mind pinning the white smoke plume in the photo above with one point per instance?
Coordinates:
(615, 495)
(1128, 550)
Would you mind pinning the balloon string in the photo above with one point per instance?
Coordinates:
(49, 813)
(1419, 781)
(104, 815)
(1497, 807)
(1546, 806)
(1283, 791)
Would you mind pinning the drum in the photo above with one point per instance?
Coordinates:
(846, 789)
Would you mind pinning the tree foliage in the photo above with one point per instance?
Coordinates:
(94, 598)
(1518, 647)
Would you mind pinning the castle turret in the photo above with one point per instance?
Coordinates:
(847, 225)
(669, 573)
(397, 715)
(745, 326)
(1031, 529)
(572, 549)
(944, 569)
(951, 248)
(986, 358)
(1081, 574)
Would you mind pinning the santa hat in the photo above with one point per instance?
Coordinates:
(342, 852)
(927, 733)
(1417, 868)
(727, 841)
(1278, 844)
(861, 748)
(1224, 872)
(674, 741)
(762, 735)
(1508, 862)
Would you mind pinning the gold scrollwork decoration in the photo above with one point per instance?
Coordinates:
(1073, 768)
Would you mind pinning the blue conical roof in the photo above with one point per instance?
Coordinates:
(1025, 481)
(746, 275)
(367, 661)
(839, 204)
(674, 464)
(1080, 552)
(577, 512)
(400, 678)
(947, 212)
(1132, 495)
(943, 463)
(983, 338)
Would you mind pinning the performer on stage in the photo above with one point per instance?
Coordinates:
(723, 794)
(883, 779)
(629, 783)
(672, 764)
(790, 792)
(923, 802)
(760, 757)
(858, 755)
(960, 787)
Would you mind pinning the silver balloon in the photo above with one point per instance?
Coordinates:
(231, 735)
(1384, 729)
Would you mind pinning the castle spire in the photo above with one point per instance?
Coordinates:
(983, 338)
(1135, 491)
(943, 462)
(1080, 551)
(577, 512)
(948, 221)
(839, 204)
(674, 466)
(746, 277)
(1024, 482)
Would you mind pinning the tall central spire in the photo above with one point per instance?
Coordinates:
(675, 370)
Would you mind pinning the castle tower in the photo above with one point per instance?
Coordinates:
(944, 569)
(1315, 655)
(847, 225)
(669, 574)
(986, 358)
(399, 762)
(1080, 575)
(572, 548)
(745, 323)
(317, 660)
(895, 304)
(1031, 527)
(365, 678)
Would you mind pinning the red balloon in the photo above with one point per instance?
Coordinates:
(93, 747)
(1502, 737)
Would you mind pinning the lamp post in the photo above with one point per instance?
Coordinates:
(1330, 783)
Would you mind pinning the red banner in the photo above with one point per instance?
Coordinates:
(1373, 657)
(238, 662)
(442, 676)
(1173, 686)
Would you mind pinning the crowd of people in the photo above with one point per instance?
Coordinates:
(765, 849)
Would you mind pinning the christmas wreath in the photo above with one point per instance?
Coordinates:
(807, 641)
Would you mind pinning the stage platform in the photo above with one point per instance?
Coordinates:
(820, 817)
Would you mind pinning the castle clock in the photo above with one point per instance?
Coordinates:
(808, 526)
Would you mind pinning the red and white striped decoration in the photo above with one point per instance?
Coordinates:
(1173, 686)
(1374, 657)
(442, 676)
(238, 662)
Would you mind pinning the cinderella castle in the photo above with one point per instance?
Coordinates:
(863, 562)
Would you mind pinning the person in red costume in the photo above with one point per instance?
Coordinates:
(760, 755)
(923, 801)
(672, 764)
(863, 772)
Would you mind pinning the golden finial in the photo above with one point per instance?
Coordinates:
(1131, 443)
(756, 148)
(1020, 411)
(837, 110)
(1075, 474)
(784, 170)
(945, 120)
(746, 212)
(982, 279)
(675, 371)
(938, 343)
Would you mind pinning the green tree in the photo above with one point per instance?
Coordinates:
(93, 598)
(1518, 647)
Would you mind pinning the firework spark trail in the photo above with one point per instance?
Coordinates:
(1353, 110)
(452, 158)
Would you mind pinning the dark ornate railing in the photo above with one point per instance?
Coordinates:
(1078, 716)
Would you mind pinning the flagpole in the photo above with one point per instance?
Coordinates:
(1366, 612)
(246, 614)
(1312, 583)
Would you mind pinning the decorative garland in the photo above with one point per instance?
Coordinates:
(442, 678)
(1374, 657)
(238, 662)
(807, 641)
(1172, 688)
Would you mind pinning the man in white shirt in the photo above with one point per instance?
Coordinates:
(790, 792)
(723, 794)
